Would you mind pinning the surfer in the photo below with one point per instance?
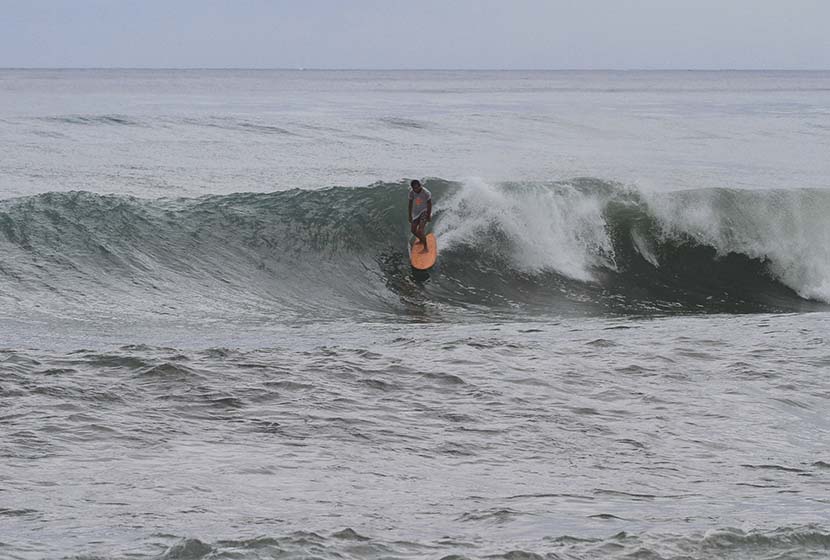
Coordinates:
(420, 210)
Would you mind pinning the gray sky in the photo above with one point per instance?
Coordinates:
(786, 34)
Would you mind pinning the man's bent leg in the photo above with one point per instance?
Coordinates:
(422, 224)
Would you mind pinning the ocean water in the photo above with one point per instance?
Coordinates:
(212, 344)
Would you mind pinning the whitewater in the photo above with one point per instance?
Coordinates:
(212, 344)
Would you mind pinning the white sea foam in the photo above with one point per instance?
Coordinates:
(561, 229)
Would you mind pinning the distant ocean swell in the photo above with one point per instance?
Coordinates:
(579, 247)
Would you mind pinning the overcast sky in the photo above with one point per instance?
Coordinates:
(618, 34)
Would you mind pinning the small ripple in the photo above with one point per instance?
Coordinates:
(112, 119)
(225, 402)
(8, 512)
(793, 403)
(378, 385)
(497, 515)
(113, 361)
(602, 343)
(519, 555)
(636, 496)
(168, 371)
(443, 378)
(775, 468)
(398, 122)
(349, 534)
(289, 385)
(633, 369)
(188, 549)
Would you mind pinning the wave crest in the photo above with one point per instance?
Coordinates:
(582, 246)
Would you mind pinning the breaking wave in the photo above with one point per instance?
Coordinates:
(584, 246)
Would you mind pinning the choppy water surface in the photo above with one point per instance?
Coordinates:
(673, 437)
(622, 353)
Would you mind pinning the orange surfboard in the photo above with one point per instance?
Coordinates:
(423, 260)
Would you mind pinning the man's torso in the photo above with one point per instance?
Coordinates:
(419, 201)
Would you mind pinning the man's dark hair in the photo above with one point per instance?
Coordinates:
(414, 183)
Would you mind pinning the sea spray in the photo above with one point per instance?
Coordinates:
(547, 227)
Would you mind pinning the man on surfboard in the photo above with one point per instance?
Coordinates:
(420, 210)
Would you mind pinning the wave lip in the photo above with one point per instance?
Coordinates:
(579, 247)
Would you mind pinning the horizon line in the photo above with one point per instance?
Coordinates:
(357, 69)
